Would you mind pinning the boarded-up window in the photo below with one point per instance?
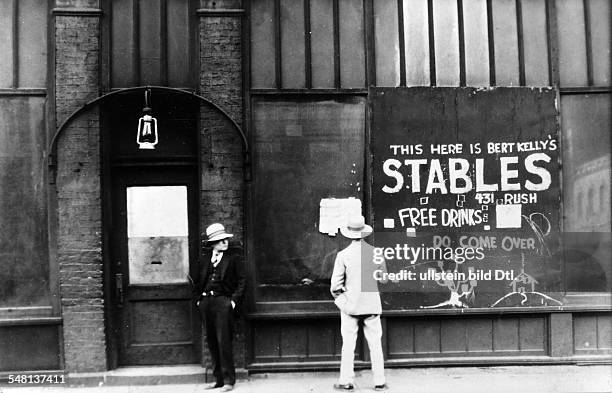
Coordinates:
(23, 43)
(306, 44)
(150, 42)
(23, 227)
(303, 152)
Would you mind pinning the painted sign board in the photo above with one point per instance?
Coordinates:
(466, 195)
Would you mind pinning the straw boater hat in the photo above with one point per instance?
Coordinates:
(216, 232)
(356, 228)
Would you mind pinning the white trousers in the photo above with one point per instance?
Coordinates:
(372, 329)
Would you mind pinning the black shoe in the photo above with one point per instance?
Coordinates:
(345, 386)
(215, 385)
(380, 388)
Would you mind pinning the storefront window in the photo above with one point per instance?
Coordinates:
(303, 152)
(586, 124)
(24, 276)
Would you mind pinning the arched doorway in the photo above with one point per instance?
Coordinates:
(151, 231)
(147, 257)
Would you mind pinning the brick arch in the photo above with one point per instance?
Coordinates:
(52, 158)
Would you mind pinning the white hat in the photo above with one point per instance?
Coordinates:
(356, 228)
(216, 232)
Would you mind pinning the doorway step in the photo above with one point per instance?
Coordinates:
(141, 375)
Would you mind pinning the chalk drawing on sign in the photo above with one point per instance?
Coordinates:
(524, 284)
(540, 225)
(487, 227)
(424, 200)
(460, 200)
(411, 232)
(389, 223)
(458, 289)
(484, 207)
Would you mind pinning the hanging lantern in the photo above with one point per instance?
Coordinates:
(147, 127)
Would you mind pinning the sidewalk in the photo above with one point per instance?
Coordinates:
(511, 379)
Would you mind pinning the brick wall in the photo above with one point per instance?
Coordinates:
(221, 145)
(78, 194)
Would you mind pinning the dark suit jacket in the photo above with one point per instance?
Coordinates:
(232, 274)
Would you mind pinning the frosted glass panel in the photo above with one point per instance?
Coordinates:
(158, 247)
(322, 43)
(262, 44)
(446, 37)
(416, 36)
(292, 44)
(506, 43)
(386, 43)
(476, 43)
(572, 43)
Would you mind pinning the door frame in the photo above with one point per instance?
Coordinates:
(148, 175)
(108, 169)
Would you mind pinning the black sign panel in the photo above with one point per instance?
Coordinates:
(466, 195)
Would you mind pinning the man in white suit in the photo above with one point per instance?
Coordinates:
(356, 294)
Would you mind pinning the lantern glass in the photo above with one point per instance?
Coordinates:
(147, 132)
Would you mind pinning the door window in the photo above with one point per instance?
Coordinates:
(158, 247)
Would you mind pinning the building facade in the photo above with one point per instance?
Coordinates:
(474, 135)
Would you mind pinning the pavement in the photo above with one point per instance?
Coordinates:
(507, 379)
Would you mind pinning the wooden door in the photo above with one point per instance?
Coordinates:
(154, 247)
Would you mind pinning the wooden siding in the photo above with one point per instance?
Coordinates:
(592, 334)
(34, 347)
(319, 340)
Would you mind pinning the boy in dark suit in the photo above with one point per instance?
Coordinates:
(217, 292)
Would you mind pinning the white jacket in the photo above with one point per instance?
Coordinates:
(354, 273)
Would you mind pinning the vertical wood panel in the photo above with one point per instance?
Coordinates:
(263, 68)
(150, 53)
(453, 336)
(178, 43)
(400, 336)
(266, 342)
(122, 41)
(446, 37)
(6, 44)
(532, 334)
(604, 332)
(572, 43)
(585, 332)
(321, 339)
(506, 43)
(416, 38)
(561, 334)
(427, 337)
(292, 44)
(476, 43)
(29, 348)
(293, 341)
(386, 43)
(535, 43)
(506, 334)
(32, 51)
(600, 41)
(352, 44)
(480, 335)
(322, 43)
